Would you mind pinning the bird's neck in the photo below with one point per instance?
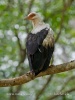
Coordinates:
(37, 22)
(38, 25)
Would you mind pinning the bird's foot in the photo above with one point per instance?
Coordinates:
(32, 72)
(51, 66)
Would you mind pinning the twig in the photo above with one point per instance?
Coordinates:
(29, 9)
(65, 7)
(42, 90)
(68, 80)
(30, 6)
(61, 94)
(18, 40)
(3, 73)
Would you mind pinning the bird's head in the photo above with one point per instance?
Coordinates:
(32, 16)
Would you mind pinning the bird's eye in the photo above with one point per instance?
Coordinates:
(32, 15)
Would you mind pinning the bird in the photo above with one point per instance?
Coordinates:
(39, 44)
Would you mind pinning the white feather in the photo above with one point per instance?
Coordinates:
(39, 27)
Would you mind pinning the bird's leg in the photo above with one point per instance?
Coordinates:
(32, 72)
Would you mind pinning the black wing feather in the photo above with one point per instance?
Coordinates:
(34, 40)
(35, 51)
(31, 44)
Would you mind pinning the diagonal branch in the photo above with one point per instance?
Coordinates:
(42, 90)
(67, 81)
(65, 92)
(62, 94)
(53, 69)
(30, 5)
(65, 7)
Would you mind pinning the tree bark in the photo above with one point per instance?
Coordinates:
(53, 69)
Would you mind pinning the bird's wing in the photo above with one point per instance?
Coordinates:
(35, 40)
(35, 50)
(31, 44)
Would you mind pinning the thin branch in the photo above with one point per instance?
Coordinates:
(67, 81)
(65, 7)
(30, 5)
(18, 40)
(22, 50)
(3, 73)
(61, 94)
(29, 10)
(42, 90)
(60, 91)
(53, 69)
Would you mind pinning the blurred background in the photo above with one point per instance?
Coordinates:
(60, 14)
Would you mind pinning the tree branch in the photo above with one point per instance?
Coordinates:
(67, 81)
(61, 94)
(65, 7)
(53, 69)
(45, 85)
(30, 5)
(60, 91)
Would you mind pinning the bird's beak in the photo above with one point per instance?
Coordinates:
(26, 18)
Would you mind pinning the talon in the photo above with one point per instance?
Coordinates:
(32, 72)
(28, 73)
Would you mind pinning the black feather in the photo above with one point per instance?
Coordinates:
(38, 55)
